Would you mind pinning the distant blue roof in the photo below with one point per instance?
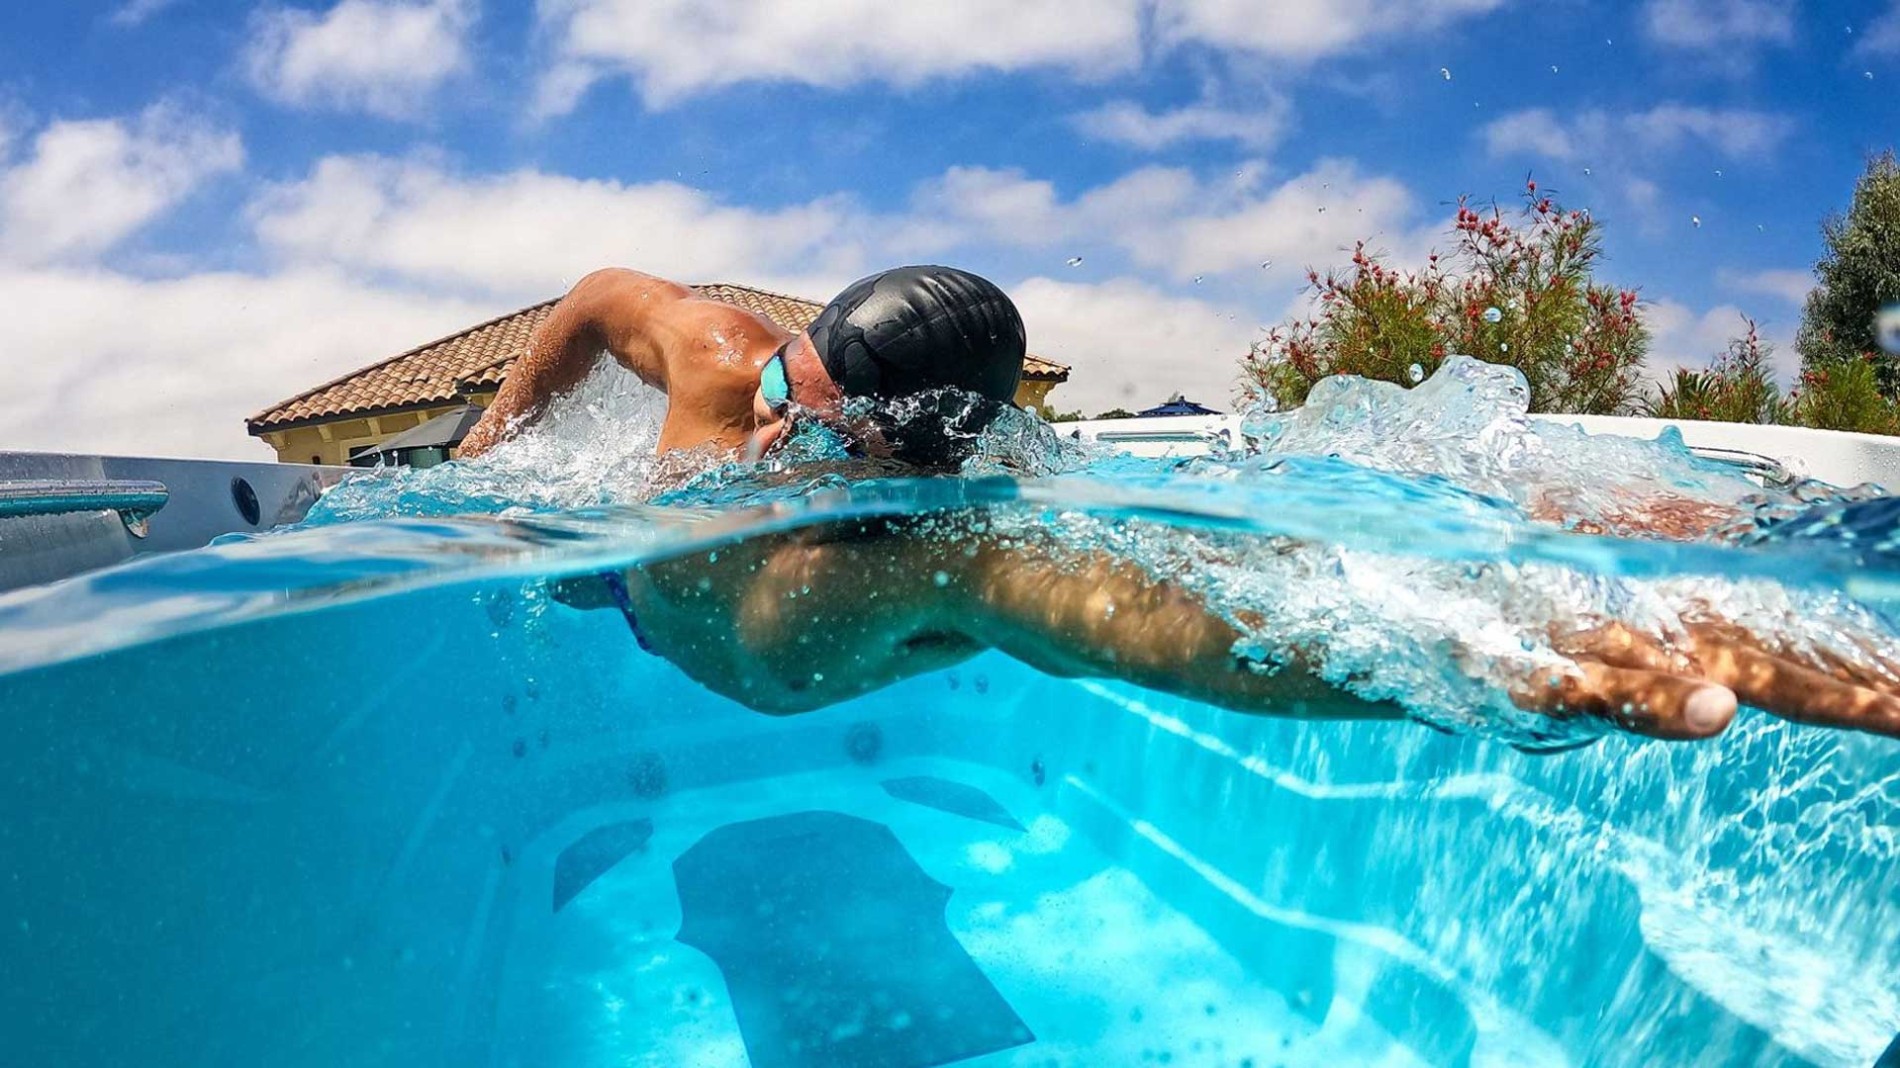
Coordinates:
(1178, 405)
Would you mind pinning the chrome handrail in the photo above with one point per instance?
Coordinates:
(1210, 437)
(135, 500)
(1767, 468)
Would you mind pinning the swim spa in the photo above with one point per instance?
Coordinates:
(364, 793)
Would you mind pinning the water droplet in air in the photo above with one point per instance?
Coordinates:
(1416, 373)
(1867, 74)
(1493, 315)
(1445, 73)
(1586, 172)
(1197, 278)
(1553, 68)
(1266, 265)
(1696, 220)
(1075, 261)
(1718, 172)
(1504, 346)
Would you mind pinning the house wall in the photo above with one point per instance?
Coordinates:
(330, 443)
(1033, 395)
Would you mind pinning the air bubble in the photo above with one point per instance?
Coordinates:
(941, 578)
(1887, 329)
(1493, 315)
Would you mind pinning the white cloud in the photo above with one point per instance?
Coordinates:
(523, 235)
(110, 363)
(672, 49)
(675, 48)
(137, 12)
(1131, 345)
(1311, 220)
(1165, 218)
(87, 185)
(1719, 26)
(134, 13)
(1533, 131)
(1599, 136)
(384, 57)
(1789, 286)
(1681, 337)
(1125, 122)
(1305, 29)
(1882, 36)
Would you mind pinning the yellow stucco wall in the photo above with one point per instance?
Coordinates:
(330, 443)
(1033, 395)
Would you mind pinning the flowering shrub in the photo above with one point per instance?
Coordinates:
(1516, 291)
(1737, 387)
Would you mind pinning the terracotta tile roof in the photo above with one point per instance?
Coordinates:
(423, 376)
(477, 360)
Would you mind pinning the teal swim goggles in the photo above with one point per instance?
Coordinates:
(774, 387)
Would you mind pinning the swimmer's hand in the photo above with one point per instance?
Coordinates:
(1691, 689)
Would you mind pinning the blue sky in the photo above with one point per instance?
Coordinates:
(206, 205)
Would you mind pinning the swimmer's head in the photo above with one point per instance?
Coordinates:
(906, 333)
(914, 329)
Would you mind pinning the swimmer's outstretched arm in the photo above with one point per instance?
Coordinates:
(1105, 617)
(619, 312)
(762, 623)
(1093, 615)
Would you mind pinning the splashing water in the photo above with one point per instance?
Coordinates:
(1420, 545)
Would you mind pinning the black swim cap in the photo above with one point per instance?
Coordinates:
(913, 329)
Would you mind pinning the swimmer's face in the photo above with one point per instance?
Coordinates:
(807, 388)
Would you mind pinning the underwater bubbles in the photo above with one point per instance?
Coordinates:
(1887, 329)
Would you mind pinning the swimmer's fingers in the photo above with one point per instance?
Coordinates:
(1657, 704)
(1794, 691)
(1860, 665)
(1618, 646)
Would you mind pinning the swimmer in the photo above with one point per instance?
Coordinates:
(799, 621)
(735, 381)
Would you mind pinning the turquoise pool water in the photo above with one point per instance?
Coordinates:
(364, 793)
